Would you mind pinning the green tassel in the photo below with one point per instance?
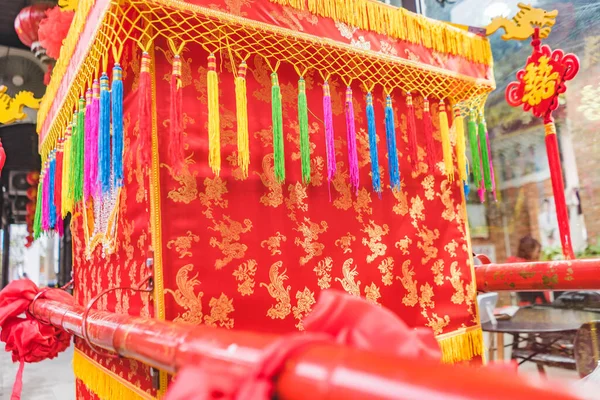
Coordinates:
(37, 220)
(278, 150)
(304, 139)
(79, 152)
(476, 164)
(485, 157)
(73, 157)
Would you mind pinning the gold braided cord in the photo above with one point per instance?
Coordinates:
(181, 23)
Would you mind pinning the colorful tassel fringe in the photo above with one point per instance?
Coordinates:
(144, 141)
(329, 136)
(303, 125)
(45, 198)
(375, 176)
(461, 155)
(73, 161)
(58, 188)
(91, 152)
(390, 136)
(51, 182)
(104, 136)
(117, 126)
(241, 101)
(474, 144)
(175, 114)
(446, 145)
(428, 132)
(351, 138)
(278, 148)
(413, 144)
(485, 157)
(214, 125)
(78, 152)
(66, 201)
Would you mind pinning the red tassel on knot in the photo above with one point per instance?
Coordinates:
(144, 144)
(413, 144)
(428, 132)
(176, 125)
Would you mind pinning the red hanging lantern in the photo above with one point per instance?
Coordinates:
(33, 178)
(2, 157)
(27, 24)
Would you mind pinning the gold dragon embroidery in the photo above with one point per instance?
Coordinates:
(279, 292)
(437, 323)
(401, 207)
(387, 268)
(229, 245)
(363, 204)
(427, 184)
(349, 274)
(188, 189)
(345, 242)
(219, 312)
(186, 297)
(304, 303)
(451, 248)
(323, 271)
(426, 299)
(273, 243)
(428, 236)
(459, 289)
(449, 214)
(416, 210)
(438, 272)
(310, 232)
(244, 274)
(296, 200)
(411, 298)
(183, 244)
(403, 245)
(374, 244)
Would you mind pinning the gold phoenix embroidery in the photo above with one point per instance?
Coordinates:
(323, 271)
(274, 196)
(345, 242)
(427, 184)
(374, 244)
(416, 210)
(273, 243)
(188, 189)
(310, 232)
(304, 303)
(451, 248)
(279, 292)
(438, 272)
(186, 297)
(230, 231)
(403, 244)
(183, 244)
(386, 268)
(372, 293)
(411, 298)
(459, 290)
(214, 189)
(427, 236)
(244, 274)
(219, 312)
(349, 274)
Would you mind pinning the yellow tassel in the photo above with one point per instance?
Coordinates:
(461, 346)
(214, 129)
(104, 383)
(64, 201)
(242, 119)
(459, 128)
(446, 145)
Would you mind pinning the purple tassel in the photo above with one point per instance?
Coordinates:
(91, 152)
(329, 142)
(88, 130)
(45, 201)
(491, 165)
(351, 137)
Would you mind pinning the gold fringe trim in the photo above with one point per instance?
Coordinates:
(104, 383)
(401, 24)
(461, 345)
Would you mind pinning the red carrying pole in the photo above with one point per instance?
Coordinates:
(326, 371)
(537, 276)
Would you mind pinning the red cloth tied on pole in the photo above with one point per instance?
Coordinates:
(28, 339)
(337, 317)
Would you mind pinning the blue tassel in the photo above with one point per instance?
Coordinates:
(373, 145)
(52, 205)
(117, 121)
(466, 187)
(390, 135)
(104, 136)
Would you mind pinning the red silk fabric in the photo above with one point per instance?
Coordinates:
(337, 317)
(26, 338)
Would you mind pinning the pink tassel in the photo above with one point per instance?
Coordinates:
(329, 141)
(91, 152)
(351, 137)
(86, 159)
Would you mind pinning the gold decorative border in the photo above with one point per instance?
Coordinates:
(461, 345)
(104, 383)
